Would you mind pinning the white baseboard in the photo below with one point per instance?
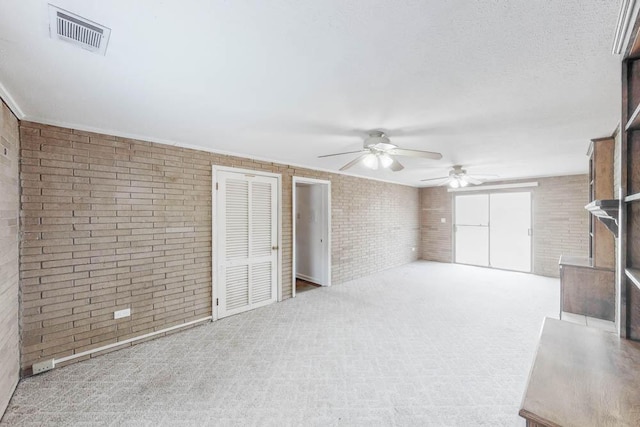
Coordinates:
(130, 340)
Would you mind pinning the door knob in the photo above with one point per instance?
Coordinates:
(274, 248)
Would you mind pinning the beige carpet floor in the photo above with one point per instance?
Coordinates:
(419, 345)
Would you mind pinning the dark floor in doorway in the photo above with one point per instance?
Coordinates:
(304, 286)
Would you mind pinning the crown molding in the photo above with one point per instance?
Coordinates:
(146, 138)
(11, 103)
(624, 27)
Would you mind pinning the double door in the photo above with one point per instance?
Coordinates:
(493, 230)
(246, 241)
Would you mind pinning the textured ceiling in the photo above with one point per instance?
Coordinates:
(514, 88)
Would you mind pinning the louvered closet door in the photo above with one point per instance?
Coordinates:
(247, 227)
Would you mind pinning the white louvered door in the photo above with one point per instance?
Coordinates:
(247, 241)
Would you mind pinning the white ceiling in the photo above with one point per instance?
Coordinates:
(513, 88)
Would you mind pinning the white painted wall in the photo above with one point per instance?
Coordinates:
(311, 233)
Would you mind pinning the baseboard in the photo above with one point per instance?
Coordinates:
(129, 341)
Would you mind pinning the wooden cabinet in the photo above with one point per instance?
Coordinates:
(628, 289)
(586, 289)
(582, 377)
(587, 285)
(601, 240)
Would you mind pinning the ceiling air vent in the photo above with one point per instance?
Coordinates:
(77, 30)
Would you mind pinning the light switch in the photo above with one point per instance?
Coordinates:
(443, 220)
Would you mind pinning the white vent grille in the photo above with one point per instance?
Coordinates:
(74, 29)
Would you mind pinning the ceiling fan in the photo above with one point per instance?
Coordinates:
(378, 152)
(458, 177)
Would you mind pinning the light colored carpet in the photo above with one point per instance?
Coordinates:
(423, 344)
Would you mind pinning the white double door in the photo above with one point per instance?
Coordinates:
(247, 241)
(494, 230)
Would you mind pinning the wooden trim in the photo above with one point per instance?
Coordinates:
(621, 293)
(634, 275)
(634, 120)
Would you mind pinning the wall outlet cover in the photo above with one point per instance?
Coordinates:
(122, 313)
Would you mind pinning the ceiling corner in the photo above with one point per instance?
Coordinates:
(11, 103)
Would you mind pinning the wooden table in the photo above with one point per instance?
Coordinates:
(582, 377)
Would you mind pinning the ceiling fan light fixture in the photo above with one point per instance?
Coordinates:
(385, 160)
(370, 161)
(454, 183)
(463, 182)
(377, 139)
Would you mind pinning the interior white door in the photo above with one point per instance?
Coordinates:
(247, 241)
(494, 230)
(510, 231)
(472, 229)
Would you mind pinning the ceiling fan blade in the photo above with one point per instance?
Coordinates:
(473, 180)
(415, 153)
(433, 179)
(484, 176)
(396, 166)
(353, 162)
(440, 183)
(340, 154)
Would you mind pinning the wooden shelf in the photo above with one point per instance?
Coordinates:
(634, 275)
(604, 208)
(607, 213)
(634, 120)
(632, 197)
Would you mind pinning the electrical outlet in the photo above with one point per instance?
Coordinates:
(122, 313)
(45, 366)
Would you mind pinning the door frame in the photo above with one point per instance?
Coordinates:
(498, 189)
(214, 224)
(295, 180)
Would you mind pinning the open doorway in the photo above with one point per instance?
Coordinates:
(311, 234)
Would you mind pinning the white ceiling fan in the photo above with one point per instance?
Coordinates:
(379, 152)
(459, 177)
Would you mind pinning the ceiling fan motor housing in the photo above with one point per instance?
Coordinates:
(378, 141)
(457, 172)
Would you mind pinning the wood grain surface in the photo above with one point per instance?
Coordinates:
(583, 377)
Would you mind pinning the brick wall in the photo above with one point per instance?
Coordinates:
(560, 222)
(111, 223)
(9, 205)
(435, 235)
